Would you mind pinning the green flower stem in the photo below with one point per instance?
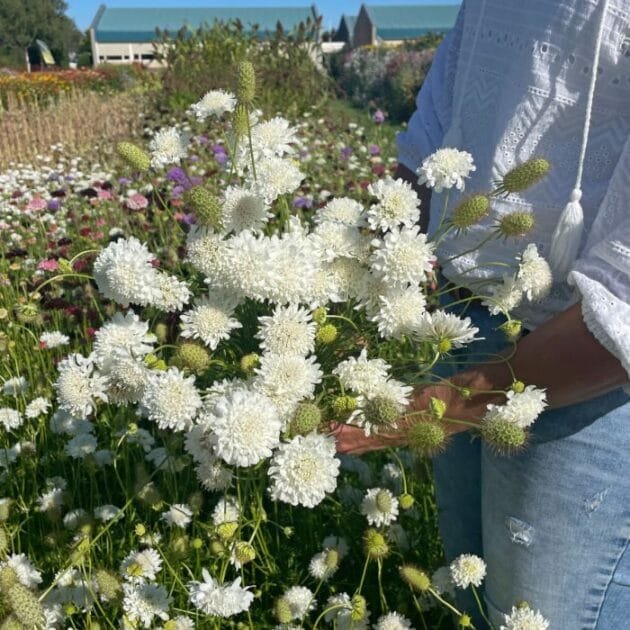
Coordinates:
(345, 319)
(365, 566)
(381, 592)
(325, 612)
(442, 601)
(493, 234)
(480, 606)
(443, 213)
(83, 276)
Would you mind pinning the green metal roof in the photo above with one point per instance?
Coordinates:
(139, 25)
(405, 21)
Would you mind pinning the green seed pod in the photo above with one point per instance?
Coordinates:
(246, 89)
(240, 121)
(192, 356)
(518, 387)
(227, 530)
(516, 224)
(319, 315)
(25, 606)
(503, 436)
(161, 332)
(437, 407)
(465, 621)
(326, 334)
(415, 577)
(512, 329)
(180, 545)
(134, 156)
(109, 586)
(282, 610)
(381, 411)
(426, 438)
(331, 559)
(359, 608)
(244, 552)
(374, 544)
(470, 211)
(217, 548)
(343, 405)
(523, 176)
(306, 418)
(206, 206)
(5, 509)
(406, 501)
(8, 577)
(249, 362)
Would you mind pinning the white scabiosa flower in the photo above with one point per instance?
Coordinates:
(534, 276)
(403, 256)
(290, 330)
(303, 470)
(337, 239)
(361, 374)
(504, 297)
(467, 569)
(205, 251)
(178, 515)
(141, 565)
(171, 399)
(122, 335)
(227, 510)
(245, 427)
(273, 137)
(53, 339)
(342, 210)
(446, 168)
(213, 475)
(172, 293)
(400, 312)
(14, 386)
(26, 573)
(320, 568)
(108, 512)
(211, 319)
(143, 602)
(393, 621)
(213, 103)
(168, 146)
(277, 176)
(123, 273)
(37, 407)
(80, 446)
(126, 378)
(380, 507)
(219, 600)
(287, 379)
(300, 600)
(397, 204)
(524, 618)
(521, 408)
(10, 419)
(446, 330)
(79, 385)
(244, 209)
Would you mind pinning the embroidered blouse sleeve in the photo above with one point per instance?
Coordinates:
(602, 274)
(430, 121)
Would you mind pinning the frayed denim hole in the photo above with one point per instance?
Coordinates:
(521, 533)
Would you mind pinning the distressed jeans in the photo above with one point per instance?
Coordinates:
(553, 522)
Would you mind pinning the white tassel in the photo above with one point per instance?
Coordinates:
(567, 238)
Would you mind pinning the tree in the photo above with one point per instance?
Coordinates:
(21, 23)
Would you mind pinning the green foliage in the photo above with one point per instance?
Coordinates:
(287, 74)
(23, 22)
(387, 78)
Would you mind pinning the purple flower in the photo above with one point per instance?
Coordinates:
(177, 175)
(302, 202)
(221, 158)
(202, 140)
(346, 152)
(123, 181)
(195, 180)
(374, 149)
(218, 148)
(54, 205)
(177, 191)
(189, 219)
(193, 158)
(379, 117)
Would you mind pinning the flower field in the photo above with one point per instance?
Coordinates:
(179, 324)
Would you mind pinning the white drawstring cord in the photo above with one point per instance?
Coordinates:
(567, 236)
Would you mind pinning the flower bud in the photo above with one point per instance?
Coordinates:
(444, 346)
(161, 332)
(343, 405)
(518, 387)
(140, 529)
(206, 207)
(512, 329)
(154, 363)
(227, 530)
(306, 418)
(134, 156)
(503, 436)
(470, 211)
(516, 224)
(416, 578)
(374, 544)
(437, 407)
(246, 89)
(216, 547)
(406, 501)
(326, 334)
(359, 608)
(426, 438)
(465, 621)
(179, 545)
(195, 500)
(523, 176)
(192, 356)
(319, 315)
(5, 509)
(249, 362)
(331, 559)
(197, 543)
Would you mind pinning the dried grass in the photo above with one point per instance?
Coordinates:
(82, 122)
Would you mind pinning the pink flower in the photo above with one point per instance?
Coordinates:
(104, 194)
(137, 201)
(37, 203)
(48, 265)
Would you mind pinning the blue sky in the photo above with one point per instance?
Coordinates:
(82, 11)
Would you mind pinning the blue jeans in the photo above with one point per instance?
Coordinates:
(553, 522)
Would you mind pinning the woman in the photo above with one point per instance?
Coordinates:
(514, 80)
